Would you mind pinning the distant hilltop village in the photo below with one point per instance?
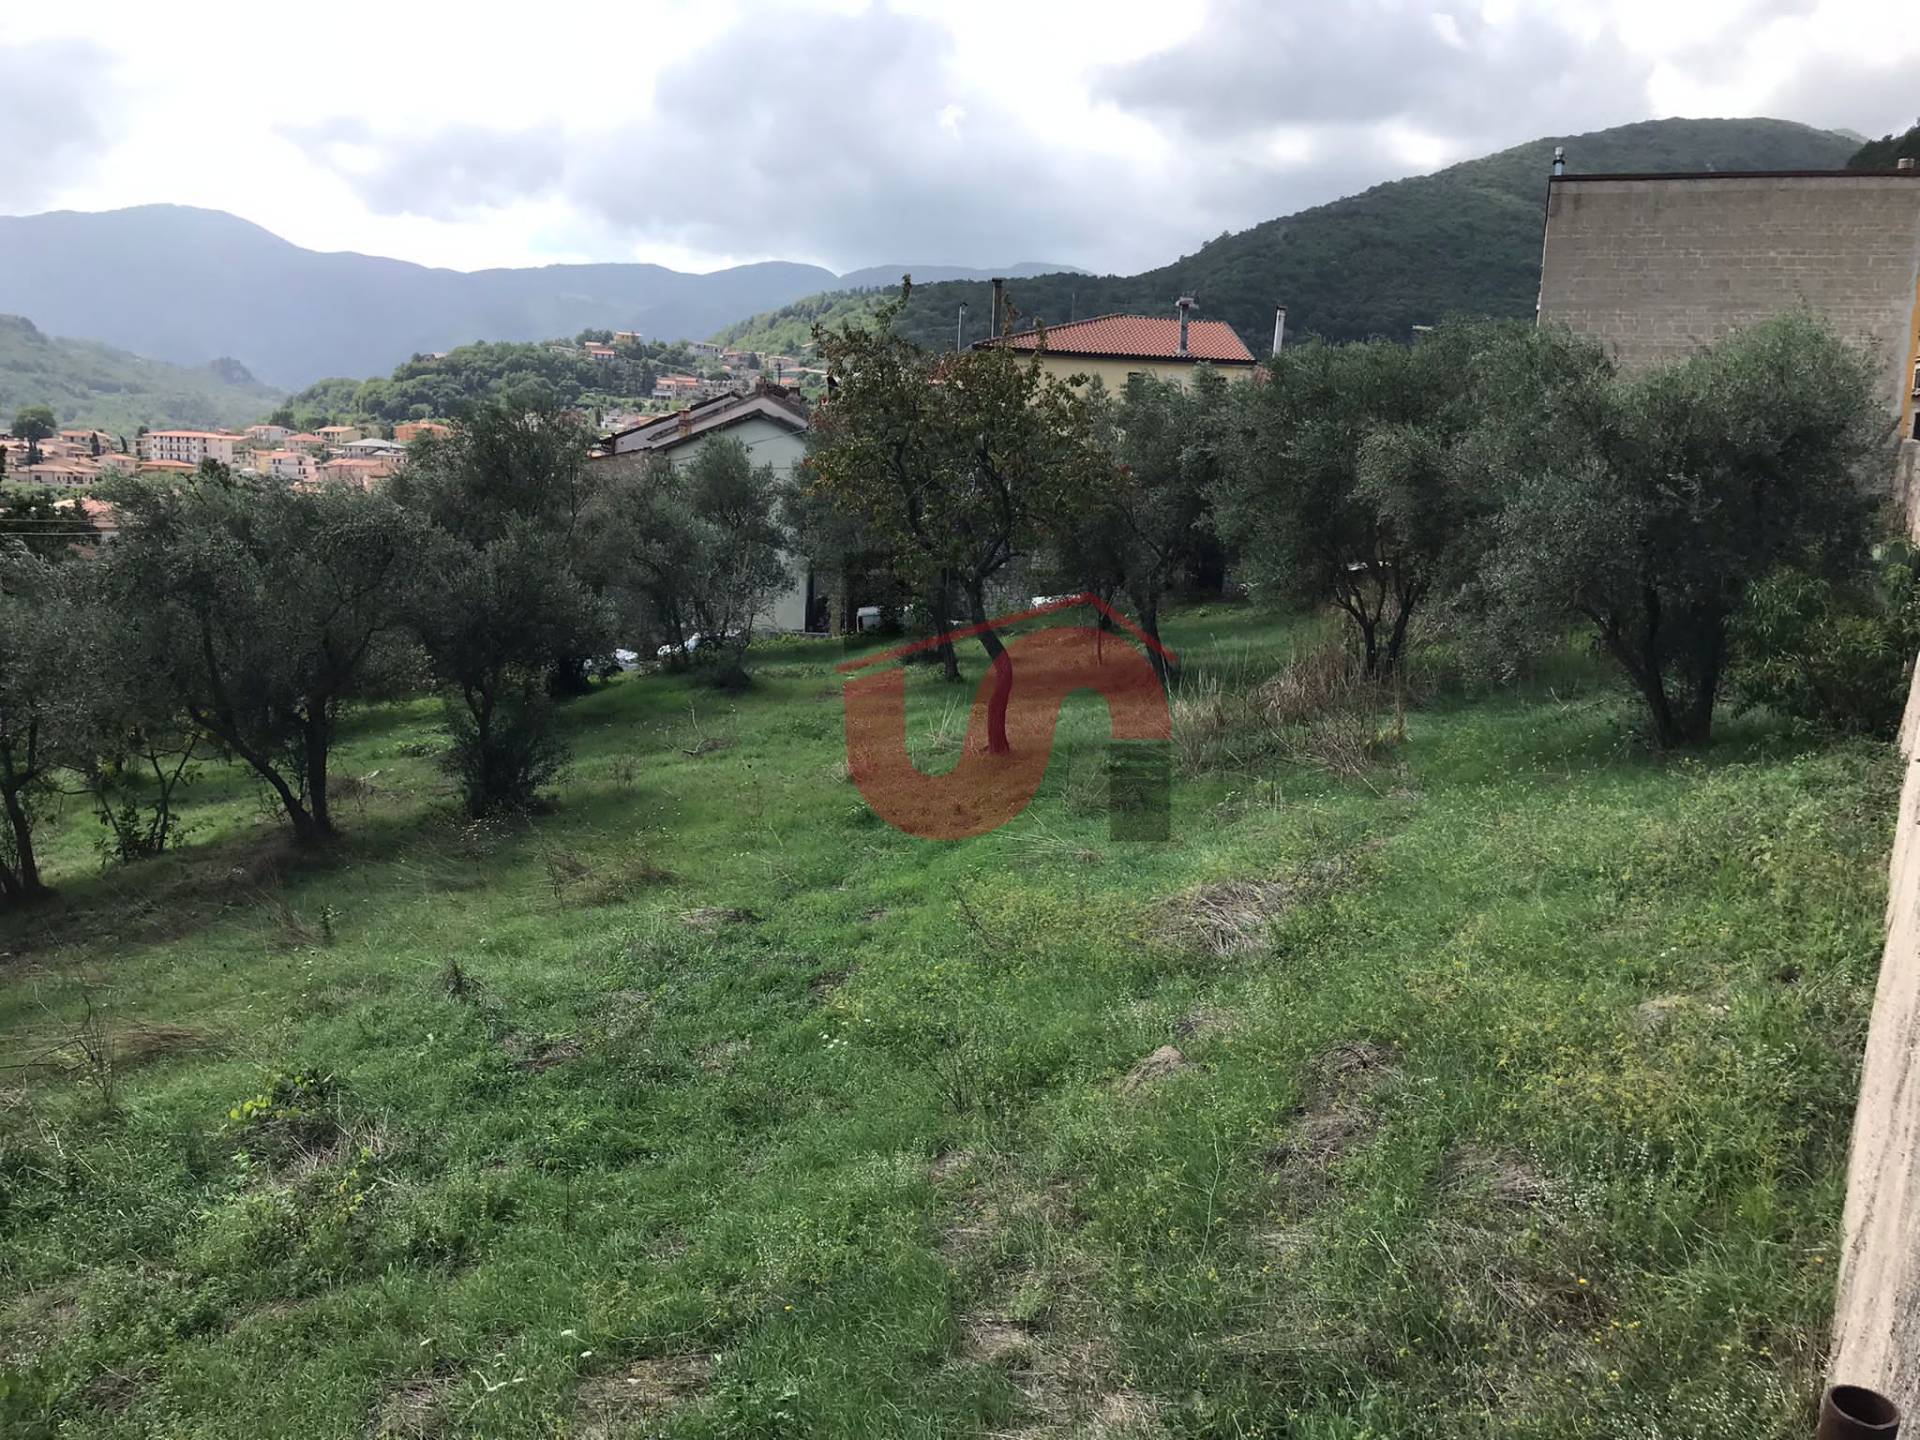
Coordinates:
(727, 372)
(652, 379)
(341, 453)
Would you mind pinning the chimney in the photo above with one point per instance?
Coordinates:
(1279, 327)
(1185, 306)
(1905, 162)
(1559, 159)
(999, 291)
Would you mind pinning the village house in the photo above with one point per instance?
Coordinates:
(337, 435)
(770, 421)
(359, 473)
(307, 441)
(268, 437)
(288, 465)
(1117, 347)
(189, 447)
(63, 473)
(409, 431)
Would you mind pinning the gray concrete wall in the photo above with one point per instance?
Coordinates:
(1657, 268)
(1876, 1328)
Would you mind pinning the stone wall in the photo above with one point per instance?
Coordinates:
(1656, 268)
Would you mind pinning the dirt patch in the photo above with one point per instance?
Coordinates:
(535, 1054)
(716, 917)
(987, 1341)
(1652, 1016)
(949, 1165)
(416, 1410)
(1154, 1068)
(707, 745)
(618, 1404)
(824, 984)
(875, 915)
(1126, 1412)
(1504, 1180)
(1338, 1119)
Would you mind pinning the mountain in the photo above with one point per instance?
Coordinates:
(88, 383)
(187, 285)
(1463, 239)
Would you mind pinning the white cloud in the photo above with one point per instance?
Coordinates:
(846, 132)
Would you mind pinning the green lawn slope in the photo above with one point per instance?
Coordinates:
(1511, 1095)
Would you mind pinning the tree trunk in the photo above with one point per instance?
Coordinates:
(942, 605)
(1397, 637)
(319, 816)
(24, 881)
(1149, 607)
(997, 742)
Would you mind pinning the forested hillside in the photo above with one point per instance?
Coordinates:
(1882, 154)
(1465, 239)
(534, 375)
(93, 384)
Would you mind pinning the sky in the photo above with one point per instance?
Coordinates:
(1097, 133)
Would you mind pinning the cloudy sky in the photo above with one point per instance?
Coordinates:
(1092, 132)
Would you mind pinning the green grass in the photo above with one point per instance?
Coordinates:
(707, 1105)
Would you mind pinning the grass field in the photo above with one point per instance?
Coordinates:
(1508, 1095)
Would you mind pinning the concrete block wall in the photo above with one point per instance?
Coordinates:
(1657, 268)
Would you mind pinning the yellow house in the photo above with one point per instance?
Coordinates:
(1116, 347)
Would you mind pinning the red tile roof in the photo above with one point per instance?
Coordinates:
(1137, 337)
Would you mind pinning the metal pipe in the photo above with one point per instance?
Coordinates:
(1853, 1412)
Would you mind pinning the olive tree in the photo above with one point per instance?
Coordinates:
(43, 659)
(500, 606)
(1353, 485)
(260, 611)
(963, 462)
(1649, 507)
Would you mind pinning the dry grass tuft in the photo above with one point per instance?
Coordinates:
(626, 1402)
(1152, 1069)
(1320, 709)
(1230, 918)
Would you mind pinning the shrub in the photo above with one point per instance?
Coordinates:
(1834, 658)
(501, 769)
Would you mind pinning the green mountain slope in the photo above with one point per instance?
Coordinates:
(88, 383)
(1882, 154)
(1464, 239)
